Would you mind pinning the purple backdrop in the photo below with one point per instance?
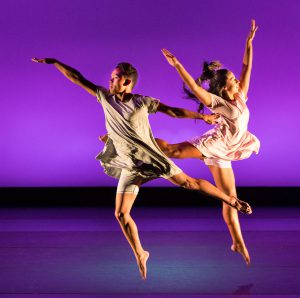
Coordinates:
(49, 127)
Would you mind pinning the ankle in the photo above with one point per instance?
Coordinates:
(140, 253)
(238, 244)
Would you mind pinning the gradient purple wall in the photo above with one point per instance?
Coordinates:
(49, 127)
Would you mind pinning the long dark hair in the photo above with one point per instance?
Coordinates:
(215, 76)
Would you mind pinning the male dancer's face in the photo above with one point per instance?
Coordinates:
(117, 82)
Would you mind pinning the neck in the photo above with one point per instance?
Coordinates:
(124, 96)
(228, 96)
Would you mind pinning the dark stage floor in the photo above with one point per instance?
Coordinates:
(80, 252)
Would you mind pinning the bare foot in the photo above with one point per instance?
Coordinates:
(240, 205)
(241, 249)
(142, 260)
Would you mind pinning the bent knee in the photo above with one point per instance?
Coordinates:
(175, 152)
(121, 216)
(168, 149)
(172, 151)
(189, 184)
(194, 184)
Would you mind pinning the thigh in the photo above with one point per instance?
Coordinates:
(179, 150)
(124, 202)
(224, 179)
(187, 150)
(127, 191)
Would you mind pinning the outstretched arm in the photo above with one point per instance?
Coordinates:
(184, 113)
(247, 60)
(72, 74)
(199, 92)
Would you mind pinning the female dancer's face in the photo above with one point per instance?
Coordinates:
(232, 84)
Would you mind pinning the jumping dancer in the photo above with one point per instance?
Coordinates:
(229, 140)
(131, 153)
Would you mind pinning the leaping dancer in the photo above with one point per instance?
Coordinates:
(230, 139)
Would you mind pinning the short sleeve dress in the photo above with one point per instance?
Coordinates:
(230, 139)
(131, 145)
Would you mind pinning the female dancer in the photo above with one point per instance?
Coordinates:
(229, 140)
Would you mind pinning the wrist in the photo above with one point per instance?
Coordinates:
(201, 116)
(177, 65)
(50, 61)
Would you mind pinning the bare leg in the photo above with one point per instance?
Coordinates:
(225, 181)
(207, 188)
(124, 202)
(179, 150)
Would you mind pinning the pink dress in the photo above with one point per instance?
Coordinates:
(229, 140)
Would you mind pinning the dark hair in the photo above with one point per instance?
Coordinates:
(129, 72)
(216, 78)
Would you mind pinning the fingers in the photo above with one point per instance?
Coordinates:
(253, 26)
(167, 53)
(38, 60)
(214, 118)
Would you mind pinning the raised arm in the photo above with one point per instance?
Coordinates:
(184, 113)
(72, 74)
(199, 92)
(247, 60)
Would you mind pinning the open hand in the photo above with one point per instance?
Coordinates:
(211, 118)
(44, 60)
(170, 57)
(252, 32)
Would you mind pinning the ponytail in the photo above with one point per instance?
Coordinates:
(208, 73)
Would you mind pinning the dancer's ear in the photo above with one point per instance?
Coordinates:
(127, 82)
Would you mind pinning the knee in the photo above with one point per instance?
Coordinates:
(196, 184)
(167, 149)
(190, 184)
(164, 147)
(175, 152)
(121, 216)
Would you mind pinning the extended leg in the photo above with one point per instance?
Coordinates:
(207, 188)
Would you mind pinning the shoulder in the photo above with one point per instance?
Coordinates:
(101, 93)
(216, 101)
(149, 102)
(144, 98)
(241, 96)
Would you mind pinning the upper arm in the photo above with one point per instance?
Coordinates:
(202, 95)
(245, 79)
